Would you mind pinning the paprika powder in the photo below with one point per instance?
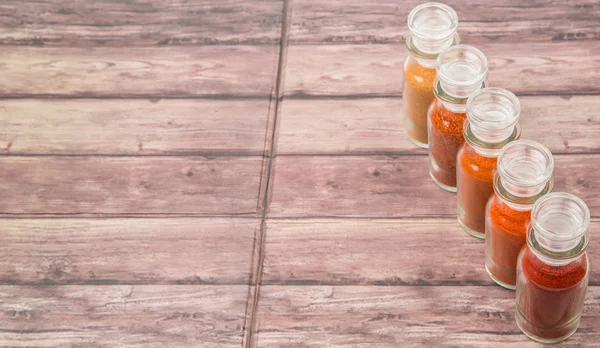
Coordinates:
(461, 70)
(524, 175)
(492, 116)
(432, 29)
(553, 269)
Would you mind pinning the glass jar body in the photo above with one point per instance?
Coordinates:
(550, 297)
(505, 236)
(417, 96)
(445, 124)
(475, 186)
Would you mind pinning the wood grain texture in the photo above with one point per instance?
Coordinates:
(140, 22)
(376, 70)
(126, 251)
(129, 186)
(122, 316)
(377, 186)
(411, 317)
(381, 252)
(351, 21)
(138, 71)
(133, 127)
(366, 126)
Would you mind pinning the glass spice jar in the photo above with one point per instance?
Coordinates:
(492, 116)
(461, 71)
(431, 29)
(553, 269)
(524, 175)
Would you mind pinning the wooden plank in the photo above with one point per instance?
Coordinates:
(363, 126)
(377, 186)
(126, 251)
(381, 252)
(129, 186)
(411, 316)
(133, 127)
(122, 316)
(384, 21)
(141, 22)
(376, 70)
(138, 71)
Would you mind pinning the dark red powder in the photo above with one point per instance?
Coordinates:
(505, 237)
(552, 296)
(445, 139)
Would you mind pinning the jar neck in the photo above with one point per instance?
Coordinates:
(488, 149)
(450, 101)
(426, 52)
(519, 203)
(424, 62)
(541, 248)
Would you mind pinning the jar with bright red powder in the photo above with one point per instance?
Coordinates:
(553, 269)
(524, 175)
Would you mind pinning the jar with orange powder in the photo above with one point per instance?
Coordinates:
(461, 71)
(524, 175)
(432, 28)
(492, 116)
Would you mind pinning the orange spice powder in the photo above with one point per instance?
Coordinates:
(476, 186)
(445, 140)
(417, 96)
(506, 233)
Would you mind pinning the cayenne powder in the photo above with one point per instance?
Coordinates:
(506, 236)
(524, 175)
(553, 268)
(553, 297)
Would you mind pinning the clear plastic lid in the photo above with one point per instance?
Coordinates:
(560, 222)
(432, 27)
(493, 114)
(525, 168)
(461, 70)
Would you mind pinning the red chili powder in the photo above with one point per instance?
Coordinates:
(552, 296)
(445, 140)
(475, 187)
(505, 236)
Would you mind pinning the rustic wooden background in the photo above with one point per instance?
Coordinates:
(179, 173)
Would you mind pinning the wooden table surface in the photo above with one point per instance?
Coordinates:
(182, 173)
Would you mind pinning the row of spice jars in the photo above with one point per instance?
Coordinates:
(535, 240)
